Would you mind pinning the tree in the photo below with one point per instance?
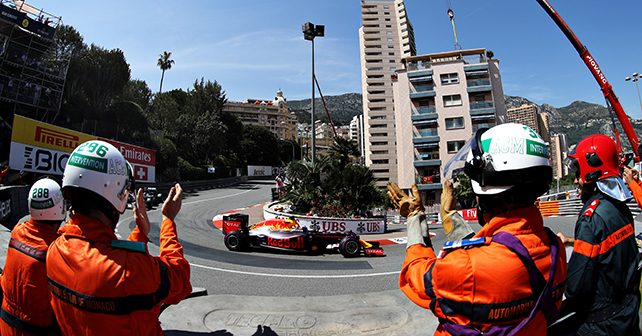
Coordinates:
(464, 191)
(333, 185)
(343, 150)
(137, 91)
(165, 63)
(95, 79)
(259, 146)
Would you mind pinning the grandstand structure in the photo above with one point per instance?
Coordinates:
(32, 68)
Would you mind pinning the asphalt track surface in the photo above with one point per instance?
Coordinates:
(276, 274)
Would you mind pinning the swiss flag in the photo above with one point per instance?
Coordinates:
(141, 173)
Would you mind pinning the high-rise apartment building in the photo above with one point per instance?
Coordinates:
(559, 151)
(527, 115)
(440, 100)
(356, 133)
(386, 36)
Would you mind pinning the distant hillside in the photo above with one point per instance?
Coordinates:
(578, 120)
(342, 108)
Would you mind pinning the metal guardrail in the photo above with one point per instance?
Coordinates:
(192, 186)
(572, 207)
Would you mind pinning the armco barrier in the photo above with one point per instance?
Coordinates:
(192, 186)
(572, 207)
(13, 199)
(13, 205)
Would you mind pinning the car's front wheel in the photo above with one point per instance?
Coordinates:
(234, 241)
(350, 247)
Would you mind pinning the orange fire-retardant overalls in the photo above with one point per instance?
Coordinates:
(25, 308)
(485, 285)
(104, 286)
(636, 190)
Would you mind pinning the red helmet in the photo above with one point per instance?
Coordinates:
(595, 157)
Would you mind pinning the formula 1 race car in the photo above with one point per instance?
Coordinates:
(286, 235)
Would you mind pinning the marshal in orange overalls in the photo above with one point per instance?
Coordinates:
(104, 286)
(488, 284)
(25, 308)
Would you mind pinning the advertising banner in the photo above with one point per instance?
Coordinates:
(5, 205)
(44, 148)
(259, 170)
(469, 214)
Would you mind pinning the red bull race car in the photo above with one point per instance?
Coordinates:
(287, 235)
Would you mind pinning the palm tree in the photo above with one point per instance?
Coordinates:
(165, 64)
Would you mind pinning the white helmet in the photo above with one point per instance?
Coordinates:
(507, 155)
(46, 202)
(99, 167)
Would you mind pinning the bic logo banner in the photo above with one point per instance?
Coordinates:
(44, 148)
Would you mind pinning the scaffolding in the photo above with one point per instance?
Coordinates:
(32, 68)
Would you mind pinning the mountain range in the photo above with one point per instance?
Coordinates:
(577, 120)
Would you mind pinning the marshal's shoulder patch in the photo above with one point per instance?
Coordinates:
(465, 243)
(590, 209)
(129, 245)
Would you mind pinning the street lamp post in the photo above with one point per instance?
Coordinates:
(310, 31)
(634, 78)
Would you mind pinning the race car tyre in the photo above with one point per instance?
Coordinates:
(234, 241)
(350, 247)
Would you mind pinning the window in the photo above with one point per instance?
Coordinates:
(390, 40)
(388, 26)
(450, 78)
(391, 61)
(388, 19)
(378, 118)
(389, 32)
(375, 152)
(386, 13)
(391, 54)
(385, 161)
(379, 143)
(386, 6)
(454, 123)
(454, 100)
(455, 146)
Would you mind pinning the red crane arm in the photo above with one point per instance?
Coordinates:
(599, 76)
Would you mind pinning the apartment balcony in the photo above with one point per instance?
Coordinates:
(429, 182)
(427, 163)
(475, 67)
(425, 139)
(420, 73)
(424, 113)
(482, 108)
(378, 104)
(479, 85)
(424, 87)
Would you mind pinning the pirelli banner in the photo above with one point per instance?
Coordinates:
(44, 148)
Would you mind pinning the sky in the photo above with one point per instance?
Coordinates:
(255, 47)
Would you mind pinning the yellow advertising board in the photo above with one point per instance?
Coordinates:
(35, 133)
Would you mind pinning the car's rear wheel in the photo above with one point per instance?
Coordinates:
(234, 241)
(350, 247)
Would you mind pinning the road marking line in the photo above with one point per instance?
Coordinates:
(339, 276)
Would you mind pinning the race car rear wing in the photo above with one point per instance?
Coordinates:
(235, 222)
